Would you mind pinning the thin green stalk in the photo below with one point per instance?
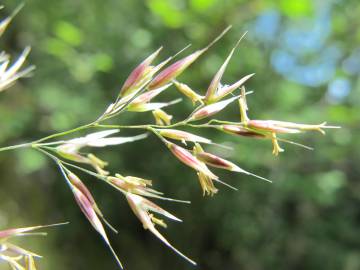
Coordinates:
(62, 164)
(12, 147)
(225, 122)
(84, 170)
(181, 123)
(65, 132)
(202, 126)
(58, 160)
(95, 124)
(158, 135)
(123, 126)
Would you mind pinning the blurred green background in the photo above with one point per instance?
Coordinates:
(306, 57)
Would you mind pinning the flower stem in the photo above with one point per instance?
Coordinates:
(65, 133)
(12, 147)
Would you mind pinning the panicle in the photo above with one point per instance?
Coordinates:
(136, 94)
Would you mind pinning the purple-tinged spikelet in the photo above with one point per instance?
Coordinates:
(241, 131)
(174, 70)
(211, 109)
(190, 160)
(138, 74)
(182, 136)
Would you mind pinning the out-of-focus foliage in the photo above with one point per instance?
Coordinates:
(306, 57)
